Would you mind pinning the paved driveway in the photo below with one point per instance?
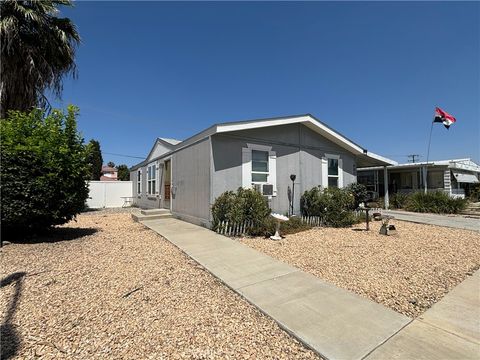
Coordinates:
(453, 221)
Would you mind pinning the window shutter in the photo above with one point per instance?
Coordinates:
(324, 173)
(272, 163)
(340, 173)
(246, 168)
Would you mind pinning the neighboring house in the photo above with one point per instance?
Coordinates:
(186, 177)
(455, 177)
(109, 173)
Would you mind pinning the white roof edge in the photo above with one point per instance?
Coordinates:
(381, 158)
(170, 141)
(468, 167)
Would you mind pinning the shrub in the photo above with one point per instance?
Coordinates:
(332, 205)
(244, 205)
(292, 226)
(398, 200)
(359, 192)
(475, 193)
(43, 172)
(434, 202)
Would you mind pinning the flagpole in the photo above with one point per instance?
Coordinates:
(425, 177)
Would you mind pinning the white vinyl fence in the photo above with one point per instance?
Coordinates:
(108, 194)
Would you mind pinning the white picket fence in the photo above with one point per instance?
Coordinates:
(234, 229)
(241, 229)
(312, 220)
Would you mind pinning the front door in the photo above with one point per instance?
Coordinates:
(167, 171)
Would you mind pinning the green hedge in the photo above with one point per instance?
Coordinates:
(43, 170)
(434, 202)
(246, 205)
(333, 205)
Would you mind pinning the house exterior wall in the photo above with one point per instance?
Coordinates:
(158, 150)
(298, 149)
(144, 200)
(191, 183)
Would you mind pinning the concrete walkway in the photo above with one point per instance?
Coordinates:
(450, 329)
(336, 323)
(453, 221)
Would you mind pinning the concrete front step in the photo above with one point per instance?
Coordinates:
(142, 217)
(154, 211)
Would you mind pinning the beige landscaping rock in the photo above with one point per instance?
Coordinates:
(118, 290)
(407, 272)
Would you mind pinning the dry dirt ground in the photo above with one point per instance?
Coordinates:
(106, 287)
(407, 272)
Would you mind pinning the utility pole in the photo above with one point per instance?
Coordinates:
(413, 157)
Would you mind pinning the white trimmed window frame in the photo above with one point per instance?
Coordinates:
(326, 176)
(139, 181)
(152, 170)
(247, 166)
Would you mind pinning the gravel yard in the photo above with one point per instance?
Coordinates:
(407, 272)
(106, 287)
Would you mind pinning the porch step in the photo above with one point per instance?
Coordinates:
(154, 211)
(154, 216)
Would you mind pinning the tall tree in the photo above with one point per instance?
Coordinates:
(37, 51)
(123, 172)
(44, 170)
(95, 160)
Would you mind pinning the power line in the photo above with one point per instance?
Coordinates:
(129, 156)
(412, 157)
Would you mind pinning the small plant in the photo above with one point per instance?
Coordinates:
(246, 205)
(398, 200)
(333, 205)
(359, 192)
(434, 202)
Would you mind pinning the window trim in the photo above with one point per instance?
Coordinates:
(247, 166)
(261, 172)
(152, 179)
(327, 176)
(139, 181)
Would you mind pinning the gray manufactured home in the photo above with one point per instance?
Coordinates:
(187, 176)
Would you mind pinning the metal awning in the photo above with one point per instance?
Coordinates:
(465, 178)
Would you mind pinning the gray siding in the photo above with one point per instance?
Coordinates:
(299, 151)
(191, 183)
(144, 200)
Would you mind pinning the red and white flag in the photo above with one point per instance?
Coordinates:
(443, 117)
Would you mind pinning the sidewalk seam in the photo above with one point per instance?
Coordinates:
(448, 332)
(273, 278)
(384, 341)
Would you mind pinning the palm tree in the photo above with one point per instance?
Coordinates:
(37, 50)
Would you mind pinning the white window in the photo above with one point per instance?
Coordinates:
(152, 179)
(259, 166)
(139, 181)
(332, 169)
(332, 172)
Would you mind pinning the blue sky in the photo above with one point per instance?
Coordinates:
(374, 71)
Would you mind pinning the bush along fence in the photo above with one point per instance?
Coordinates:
(243, 228)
